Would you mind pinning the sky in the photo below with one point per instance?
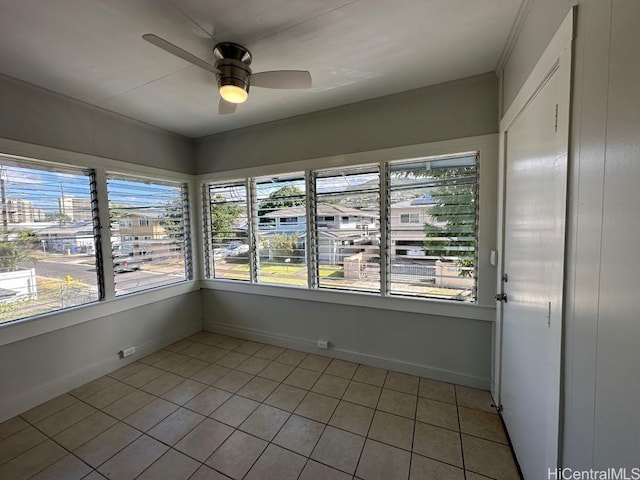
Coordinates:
(44, 188)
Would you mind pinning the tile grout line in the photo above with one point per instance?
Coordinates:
(372, 419)
(415, 420)
(464, 467)
(187, 343)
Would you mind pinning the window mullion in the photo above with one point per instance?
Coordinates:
(312, 241)
(186, 233)
(254, 250)
(102, 204)
(384, 230)
(207, 250)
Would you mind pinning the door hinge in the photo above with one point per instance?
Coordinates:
(505, 277)
(556, 124)
(501, 297)
(498, 408)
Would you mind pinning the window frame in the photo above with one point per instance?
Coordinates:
(409, 216)
(484, 146)
(186, 234)
(56, 158)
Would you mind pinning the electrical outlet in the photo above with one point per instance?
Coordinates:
(323, 344)
(125, 352)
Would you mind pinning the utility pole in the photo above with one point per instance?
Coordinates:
(62, 212)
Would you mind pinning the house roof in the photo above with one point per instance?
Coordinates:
(322, 209)
(74, 228)
(424, 201)
(143, 214)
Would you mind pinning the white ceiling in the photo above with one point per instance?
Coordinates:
(91, 50)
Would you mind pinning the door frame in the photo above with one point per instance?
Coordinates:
(556, 59)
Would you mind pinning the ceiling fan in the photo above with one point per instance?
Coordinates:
(234, 73)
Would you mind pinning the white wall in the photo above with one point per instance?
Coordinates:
(445, 347)
(463, 108)
(40, 117)
(601, 426)
(42, 366)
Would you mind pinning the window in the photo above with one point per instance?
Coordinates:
(227, 228)
(409, 218)
(348, 254)
(143, 222)
(47, 240)
(424, 243)
(125, 223)
(163, 260)
(282, 257)
(439, 260)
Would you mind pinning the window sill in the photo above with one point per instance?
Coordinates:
(441, 308)
(30, 327)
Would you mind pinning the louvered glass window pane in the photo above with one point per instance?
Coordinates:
(228, 225)
(347, 223)
(280, 218)
(47, 243)
(148, 226)
(432, 223)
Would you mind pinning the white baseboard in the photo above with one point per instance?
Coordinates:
(11, 406)
(309, 346)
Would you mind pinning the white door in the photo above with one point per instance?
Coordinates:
(533, 264)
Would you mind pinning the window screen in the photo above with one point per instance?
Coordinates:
(149, 233)
(436, 256)
(47, 242)
(228, 231)
(347, 209)
(280, 220)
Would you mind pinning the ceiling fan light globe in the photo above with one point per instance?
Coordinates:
(233, 93)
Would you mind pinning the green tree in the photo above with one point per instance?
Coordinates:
(452, 233)
(223, 215)
(284, 246)
(27, 239)
(284, 197)
(10, 256)
(116, 211)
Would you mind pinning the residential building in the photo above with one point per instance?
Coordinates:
(67, 238)
(342, 231)
(141, 226)
(407, 221)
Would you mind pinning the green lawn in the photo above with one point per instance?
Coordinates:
(331, 276)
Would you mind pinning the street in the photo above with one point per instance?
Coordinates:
(80, 270)
(52, 269)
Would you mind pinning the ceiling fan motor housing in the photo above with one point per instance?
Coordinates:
(233, 61)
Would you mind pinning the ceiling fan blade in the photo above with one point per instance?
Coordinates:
(225, 107)
(284, 79)
(179, 52)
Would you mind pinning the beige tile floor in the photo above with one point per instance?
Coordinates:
(212, 407)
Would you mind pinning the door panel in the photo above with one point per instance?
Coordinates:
(534, 236)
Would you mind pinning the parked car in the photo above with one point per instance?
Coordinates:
(126, 263)
(235, 249)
